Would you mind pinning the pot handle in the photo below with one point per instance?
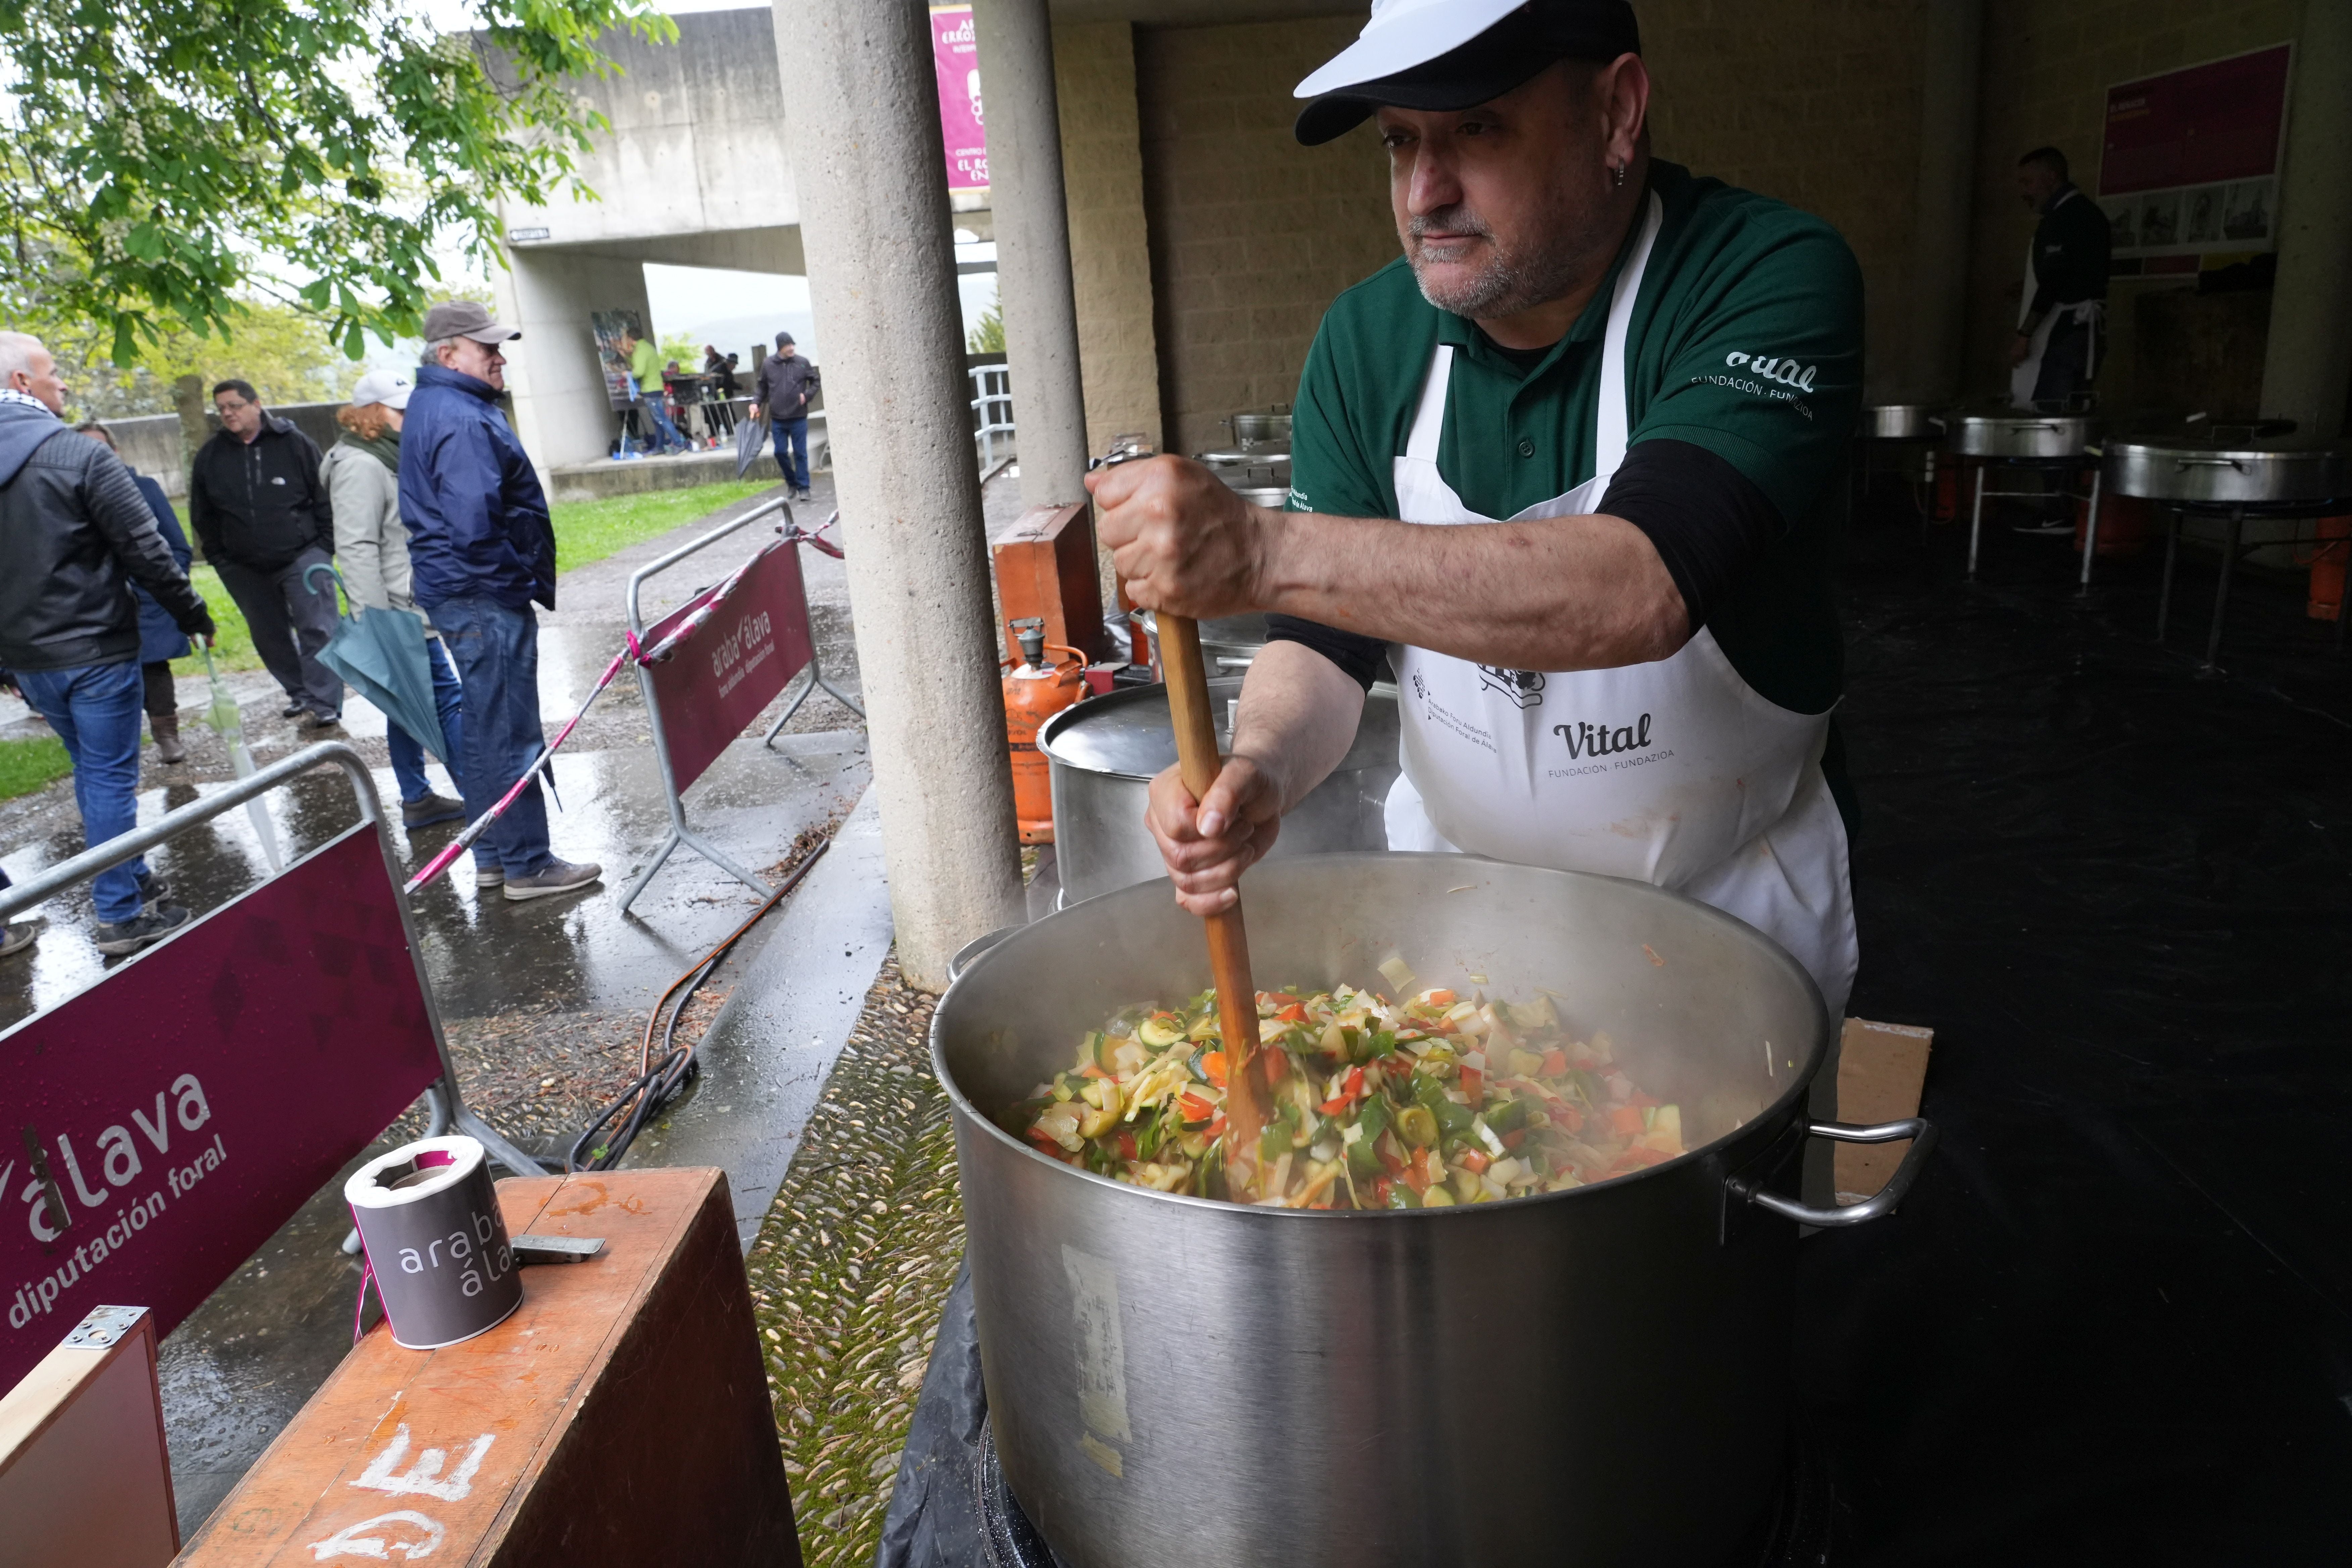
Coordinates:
(977, 945)
(1918, 1129)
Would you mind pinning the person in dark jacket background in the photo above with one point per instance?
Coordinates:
(2056, 353)
(74, 534)
(481, 549)
(787, 382)
(257, 506)
(160, 639)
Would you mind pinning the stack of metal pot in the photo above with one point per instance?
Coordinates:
(1257, 463)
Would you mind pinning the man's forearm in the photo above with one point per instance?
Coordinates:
(1570, 593)
(1299, 717)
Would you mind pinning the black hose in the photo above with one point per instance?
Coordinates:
(661, 1083)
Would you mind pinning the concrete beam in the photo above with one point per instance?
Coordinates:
(864, 121)
(2309, 357)
(1948, 97)
(1032, 248)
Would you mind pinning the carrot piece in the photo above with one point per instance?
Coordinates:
(1627, 1120)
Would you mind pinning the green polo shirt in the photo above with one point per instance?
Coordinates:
(1744, 339)
(645, 365)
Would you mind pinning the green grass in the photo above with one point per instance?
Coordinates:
(585, 531)
(588, 530)
(26, 766)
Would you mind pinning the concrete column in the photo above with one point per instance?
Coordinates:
(562, 412)
(2309, 358)
(1033, 247)
(864, 119)
(1949, 93)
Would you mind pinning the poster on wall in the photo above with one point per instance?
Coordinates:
(955, 56)
(2190, 159)
(609, 327)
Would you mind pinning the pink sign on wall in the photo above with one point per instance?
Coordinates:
(165, 1122)
(955, 54)
(713, 685)
(2190, 161)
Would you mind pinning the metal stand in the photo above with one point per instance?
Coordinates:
(679, 833)
(2091, 526)
(447, 1103)
(2221, 591)
(815, 678)
(1976, 509)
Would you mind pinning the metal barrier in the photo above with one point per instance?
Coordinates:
(991, 409)
(277, 1034)
(719, 714)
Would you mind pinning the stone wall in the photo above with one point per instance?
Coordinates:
(151, 443)
(1110, 264)
(2047, 67)
(1815, 104)
(1251, 235)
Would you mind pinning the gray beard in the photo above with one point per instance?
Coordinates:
(1509, 284)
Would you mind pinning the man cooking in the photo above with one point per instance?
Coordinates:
(2055, 351)
(1574, 464)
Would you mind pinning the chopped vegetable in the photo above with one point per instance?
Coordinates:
(1436, 1100)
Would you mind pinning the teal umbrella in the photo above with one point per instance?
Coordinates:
(381, 654)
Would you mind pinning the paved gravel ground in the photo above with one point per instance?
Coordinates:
(850, 1271)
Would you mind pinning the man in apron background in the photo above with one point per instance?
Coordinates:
(2062, 312)
(1574, 466)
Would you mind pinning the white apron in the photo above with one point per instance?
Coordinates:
(2027, 374)
(1674, 772)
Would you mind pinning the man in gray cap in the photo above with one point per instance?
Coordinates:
(1574, 463)
(481, 549)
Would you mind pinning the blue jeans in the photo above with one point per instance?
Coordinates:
(95, 709)
(408, 753)
(665, 429)
(795, 463)
(496, 650)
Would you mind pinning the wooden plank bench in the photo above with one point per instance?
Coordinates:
(621, 1415)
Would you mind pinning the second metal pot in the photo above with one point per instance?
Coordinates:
(1104, 754)
(1598, 1376)
(2029, 436)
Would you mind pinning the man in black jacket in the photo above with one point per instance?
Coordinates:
(75, 533)
(258, 508)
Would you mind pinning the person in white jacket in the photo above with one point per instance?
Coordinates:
(361, 473)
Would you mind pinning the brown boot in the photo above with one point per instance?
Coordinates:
(167, 737)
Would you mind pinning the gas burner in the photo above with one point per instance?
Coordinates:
(1797, 1531)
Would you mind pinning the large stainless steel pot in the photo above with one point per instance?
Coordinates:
(1104, 754)
(1228, 644)
(2281, 473)
(1598, 1376)
(2041, 437)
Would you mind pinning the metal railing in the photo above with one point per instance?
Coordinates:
(992, 410)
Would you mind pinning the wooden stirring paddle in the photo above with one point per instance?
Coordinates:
(1229, 963)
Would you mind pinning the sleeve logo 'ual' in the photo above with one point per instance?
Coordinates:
(1787, 371)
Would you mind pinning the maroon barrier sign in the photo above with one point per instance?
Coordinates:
(714, 683)
(181, 1108)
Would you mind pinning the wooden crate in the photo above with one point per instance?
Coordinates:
(1046, 568)
(620, 1415)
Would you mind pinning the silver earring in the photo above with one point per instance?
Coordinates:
(1617, 176)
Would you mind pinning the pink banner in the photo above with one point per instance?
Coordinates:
(2220, 121)
(956, 58)
(713, 685)
(184, 1107)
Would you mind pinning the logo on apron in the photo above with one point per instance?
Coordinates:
(1523, 687)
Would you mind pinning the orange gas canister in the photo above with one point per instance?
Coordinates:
(2326, 562)
(1033, 692)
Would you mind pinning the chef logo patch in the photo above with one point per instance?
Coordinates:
(1523, 687)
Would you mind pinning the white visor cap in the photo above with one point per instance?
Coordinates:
(1403, 34)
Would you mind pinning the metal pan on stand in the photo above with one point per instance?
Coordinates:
(2015, 440)
(1910, 431)
(2278, 478)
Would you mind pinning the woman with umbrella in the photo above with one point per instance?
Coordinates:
(361, 472)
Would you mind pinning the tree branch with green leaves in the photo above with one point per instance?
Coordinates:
(162, 161)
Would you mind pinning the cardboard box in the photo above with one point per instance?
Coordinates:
(1881, 1070)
